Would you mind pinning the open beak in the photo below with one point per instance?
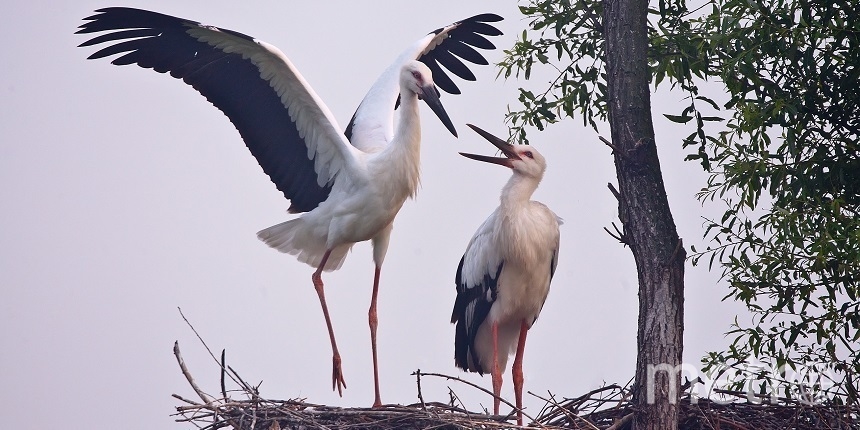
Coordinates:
(431, 97)
(503, 146)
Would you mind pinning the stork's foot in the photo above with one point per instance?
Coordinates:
(337, 375)
(377, 403)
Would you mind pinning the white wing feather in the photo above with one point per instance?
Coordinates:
(327, 145)
(482, 255)
(374, 118)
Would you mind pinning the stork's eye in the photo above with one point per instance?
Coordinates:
(416, 75)
(529, 154)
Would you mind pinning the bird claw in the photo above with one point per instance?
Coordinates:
(337, 376)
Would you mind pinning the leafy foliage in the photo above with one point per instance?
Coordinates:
(784, 162)
(572, 34)
(789, 242)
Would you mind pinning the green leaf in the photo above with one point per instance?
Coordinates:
(682, 119)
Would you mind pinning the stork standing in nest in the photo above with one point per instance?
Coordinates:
(350, 183)
(503, 278)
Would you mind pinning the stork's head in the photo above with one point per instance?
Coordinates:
(417, 78)
(522, 159)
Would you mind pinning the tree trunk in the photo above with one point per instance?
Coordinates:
(649, 229)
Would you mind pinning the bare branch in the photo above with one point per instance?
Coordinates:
(417, 374)
(203, 396)
(454, 378)
(618, 235)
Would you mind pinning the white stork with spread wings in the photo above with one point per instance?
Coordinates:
(349, 183)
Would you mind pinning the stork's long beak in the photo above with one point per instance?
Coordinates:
(431, 97)
(503, 146)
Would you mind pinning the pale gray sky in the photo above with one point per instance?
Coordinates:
(126, 195)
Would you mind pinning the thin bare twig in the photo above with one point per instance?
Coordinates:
(223, 371)
(190, 402)
(418, 383)
(455, 396)
(614, 191)
(565, 411)
(454, 378)
(618, 235)
(200, 338)
(203, 396)
(251, 390)
(609, 144)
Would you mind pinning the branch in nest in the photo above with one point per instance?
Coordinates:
(505, 417)
(223, 371)
(587, 408)
(417, 374)
(203, 396)
(567, 413)
(622, 422)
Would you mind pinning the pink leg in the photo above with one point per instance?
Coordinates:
(517, 371)
(336, 372)
(374, 321)
(496, 372)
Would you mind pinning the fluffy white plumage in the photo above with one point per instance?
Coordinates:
(367, 191)
(504, 276)
(526, 240)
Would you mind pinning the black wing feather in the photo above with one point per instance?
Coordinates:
(457, 45)
(160, 42)
(471, 308)
(454, 64)
(466, 52)
(488, 17)
(440, 78)
(125, 34)
(486, 29)
(477, 41)
(459, 42)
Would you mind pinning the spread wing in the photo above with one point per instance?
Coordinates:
(373, 121)
(284, 124)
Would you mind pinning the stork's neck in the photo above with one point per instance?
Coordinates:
(407, 132)
(519, 189)
(402, 157)
(517, 226)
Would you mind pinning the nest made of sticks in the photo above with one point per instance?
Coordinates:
(605, 408)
